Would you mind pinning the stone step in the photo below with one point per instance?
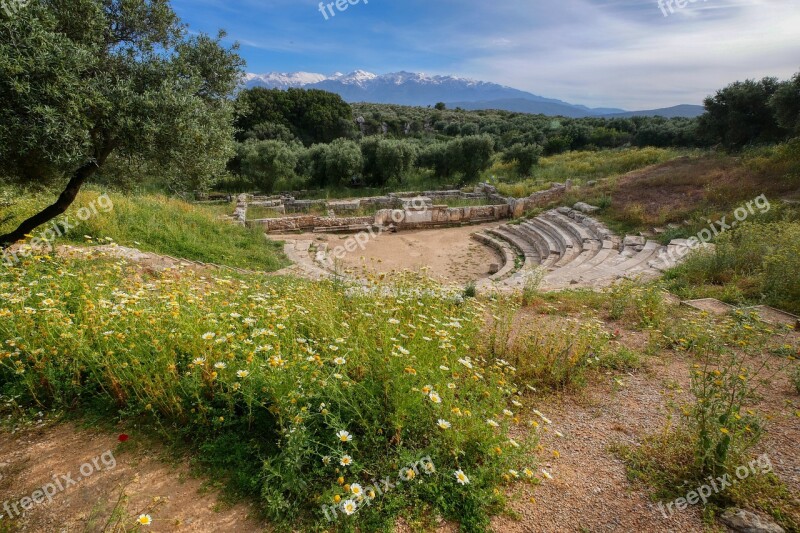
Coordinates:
(548, 250)
(580, 231)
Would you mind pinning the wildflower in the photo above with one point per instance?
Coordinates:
(356, 489)
(546, 474)
(508, 413)
(346, 460)
(344, 436)
(428, 467)
(516, 403)
(461, 477)
(528, 472)
(326, 460)
(199, 361)
(434, 397)
(208, 336)
(443, 424)
(393, 321)
(540, 415)
(340, 361)
(242, 373)
(451, 386)
(144, 520)
(220, 365)
(349, 507)
(408, 474)
(492, 423)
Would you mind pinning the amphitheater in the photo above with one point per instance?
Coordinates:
(493, 245)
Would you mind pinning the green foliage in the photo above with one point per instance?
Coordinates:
(641, 305)
(343, 162)
(556, 355)
(387, 160)
(718, 428)
(261, 375)
(525, 156)
(313, 116)
(83, 80)
(758, 258)
(470, 155)
(732, 360)
(740, 114)
(785, 103)
(796, 378)
(264, 163)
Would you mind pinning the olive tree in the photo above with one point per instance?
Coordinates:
(81, 80)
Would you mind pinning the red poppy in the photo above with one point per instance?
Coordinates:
(123, 438)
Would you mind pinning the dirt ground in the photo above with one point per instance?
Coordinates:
(121, 482)
(448, 254)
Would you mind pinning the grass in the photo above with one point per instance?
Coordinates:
(580, 167)
(155, 223)
(756, 263)
(300, 394)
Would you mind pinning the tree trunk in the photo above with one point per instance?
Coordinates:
(65, 199)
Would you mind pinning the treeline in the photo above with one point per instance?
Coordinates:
(298, 138)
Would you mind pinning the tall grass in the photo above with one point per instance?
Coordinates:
(582, 166)
(756, 262)
(158, 224)
(263, 375)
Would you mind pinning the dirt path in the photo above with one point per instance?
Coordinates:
(122, 480)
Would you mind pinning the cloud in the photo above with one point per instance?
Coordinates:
(622, 53)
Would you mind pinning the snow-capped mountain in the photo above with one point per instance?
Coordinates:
(417, 89)
(283, 80)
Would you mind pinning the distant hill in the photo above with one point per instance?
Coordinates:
(685, 110)
(415, 89)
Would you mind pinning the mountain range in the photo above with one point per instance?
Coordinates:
(416, 89)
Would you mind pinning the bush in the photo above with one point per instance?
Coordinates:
(555, 355)
(264, 163)
(642, 305)
(525, 156)
(300, 392)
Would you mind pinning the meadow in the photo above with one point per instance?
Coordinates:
(302, 393)
(153, 223)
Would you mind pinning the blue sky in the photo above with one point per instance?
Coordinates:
(621, 53)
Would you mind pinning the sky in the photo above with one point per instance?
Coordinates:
(600, 53)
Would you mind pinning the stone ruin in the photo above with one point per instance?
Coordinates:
(409, 210)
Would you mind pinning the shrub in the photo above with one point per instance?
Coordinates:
(556, 355)
(643, 305)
